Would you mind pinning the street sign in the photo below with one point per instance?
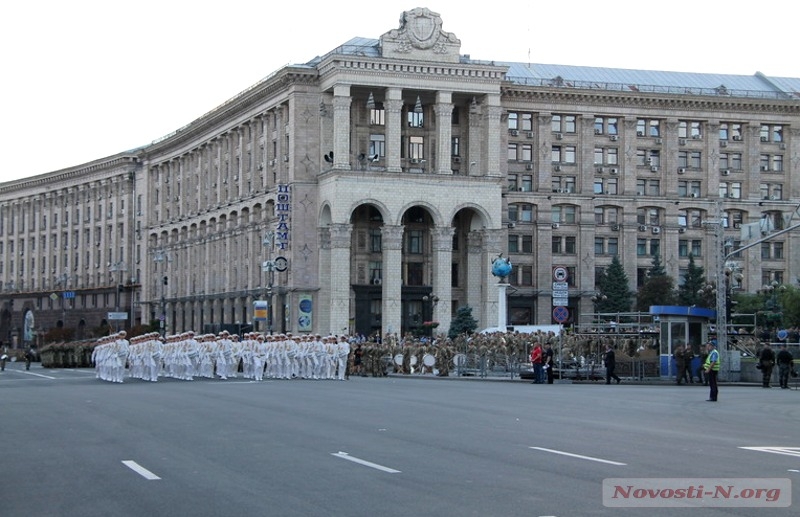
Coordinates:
(783, 334)
(117, 316)
(560, 301)
(281, 264)
(560, 314)
(54, 297)
(560, 274)
(68, 295)
(560, 286)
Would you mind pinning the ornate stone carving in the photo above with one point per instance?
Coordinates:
(420, 33)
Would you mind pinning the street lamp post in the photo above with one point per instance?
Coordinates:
(269, 268)
(118, 267)
(160, 257)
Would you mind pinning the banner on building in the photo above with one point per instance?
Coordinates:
(260, 310)
(305, 311)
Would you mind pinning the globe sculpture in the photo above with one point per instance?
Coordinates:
(501, 267)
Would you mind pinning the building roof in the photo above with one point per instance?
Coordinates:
(757, 85)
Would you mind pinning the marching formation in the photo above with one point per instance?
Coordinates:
(186, 356)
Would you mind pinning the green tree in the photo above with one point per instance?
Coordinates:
(612, 288)
(658, 289)
(690, 292)
(463, 323)
(789, 304)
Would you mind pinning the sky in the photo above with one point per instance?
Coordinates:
(87, 79)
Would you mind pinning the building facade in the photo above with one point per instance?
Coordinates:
(370, 189)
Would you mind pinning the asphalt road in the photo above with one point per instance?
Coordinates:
(72, 445)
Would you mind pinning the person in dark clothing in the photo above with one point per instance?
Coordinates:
(549, 363)
(785, 363)
(28, 358)
(680, 365)
(766, 360)
(688, 357)
(610, 362)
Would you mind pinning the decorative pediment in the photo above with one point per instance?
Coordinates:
(421, 38)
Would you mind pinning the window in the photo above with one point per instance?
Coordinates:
(599, 245)
(555, 247)
(731, 161)
(563, 184)
(771, 163)
(527, 183)
(416, 147)
(569, 245)
(377, 115)
(690, 129)
(606, 125)
(526, 213)
(569, 154)
(512, 182)
(651, 216)
(512, 152)
(683, 248)
(526, 122)
(527, 153)
(564, 124)
(527, 275)
(527, 244)
(375, 240)
(606, 186)
(414, 242)
(513, 243)
(455, 146)
(416, 120)
(605, 215)
(513, 121)
(730, 131)
(568, 213)
(375, 272)
(377, 145)
(648, 187)
(770, 133)
(613, 246)
(771, 191)
(689, 188)
(512, 213)
(648, 127)
(730, 189)
(648, 157)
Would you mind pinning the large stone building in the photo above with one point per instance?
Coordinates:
(379, 181)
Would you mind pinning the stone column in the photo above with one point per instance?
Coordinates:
(492, 247)
(392, 242)
(491, 143)
(393, 105)
(474, 147)
(444, 117)
(323, 301)
(442, 275)
(340, 277)
(341, 127)
(474, 274)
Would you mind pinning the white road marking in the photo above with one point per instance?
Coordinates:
(36, 374)
(787, 451)
(347, 457)
(578, 456)
(140, 470)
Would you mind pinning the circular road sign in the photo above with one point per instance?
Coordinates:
(560, 314)
(560, 274)
(281, 264)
